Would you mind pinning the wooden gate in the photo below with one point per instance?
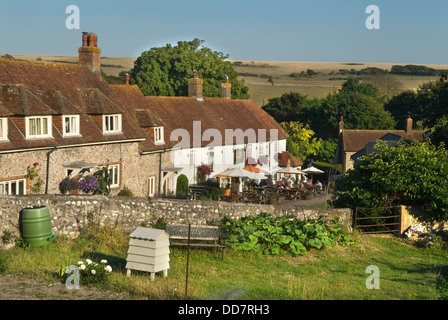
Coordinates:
(377, 220)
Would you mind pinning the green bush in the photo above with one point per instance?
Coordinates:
(125, 192)
(182, 188)
(411, 173)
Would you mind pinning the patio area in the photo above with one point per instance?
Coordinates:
(277, 195)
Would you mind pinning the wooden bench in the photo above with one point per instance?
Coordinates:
(200, 236)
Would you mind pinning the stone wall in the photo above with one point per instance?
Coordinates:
(71, 213)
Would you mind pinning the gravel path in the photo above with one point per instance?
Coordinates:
(17, 288)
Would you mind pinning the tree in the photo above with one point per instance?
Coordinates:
(411, 173)
(387, 83)
(164, 71)
(402, 105)
(361, 105)
(288, 107)
(432, 101)
(300, 142)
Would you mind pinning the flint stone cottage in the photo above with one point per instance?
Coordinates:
(354, 144)
(67, 119)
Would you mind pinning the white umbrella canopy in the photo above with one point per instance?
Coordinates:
(290, 170)
(312, 170)
(241, 173)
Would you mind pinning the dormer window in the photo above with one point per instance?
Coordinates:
(3, 129)
(112, 123)
(38, 127)
(158, 135)
(70, 126)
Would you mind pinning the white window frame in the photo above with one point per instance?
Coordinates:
(114, 170)
(3, 129)
(73, 125)
(159, 135)
(37, 134)
(6, 187)
(116, 123)
(151, 186)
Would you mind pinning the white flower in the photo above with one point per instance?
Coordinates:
(82, 267)
(108, 268)
(80, 262)
(93, 271)
(88, 261)
(104, 261)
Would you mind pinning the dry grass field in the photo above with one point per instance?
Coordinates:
(257, 73)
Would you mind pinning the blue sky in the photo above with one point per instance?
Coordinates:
(412, 31)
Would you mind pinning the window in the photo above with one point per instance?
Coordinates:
(3, 129)
(151, 186)
(13, 187)
(70, 125)
(114, 171)
(112, 123)
(158, 135)
(38, 127)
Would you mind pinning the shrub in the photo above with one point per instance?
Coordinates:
(411, 173)
(125, 192)
(182, 188)
(104, 181)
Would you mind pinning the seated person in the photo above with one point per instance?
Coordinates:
(227, 191)
(290, 184)
(319, 185)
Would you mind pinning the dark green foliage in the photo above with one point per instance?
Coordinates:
(182, 188)
(212, 192)
(125, 192)
(402, 105)
(165, 71)
(104, 180)
(361, 105)
(408, 174)
(271, 235)
(414, 70)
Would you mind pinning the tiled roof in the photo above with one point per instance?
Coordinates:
(355, 140)
(38, 88)
(213, 113)
(139, 109)
(285, 156)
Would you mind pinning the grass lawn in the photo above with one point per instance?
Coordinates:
(406, 271)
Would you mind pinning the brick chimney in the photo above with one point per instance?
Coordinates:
(195, 86)
(226, 89)
(341, 124)
(89, 53)
(408, 127)
(127, 77)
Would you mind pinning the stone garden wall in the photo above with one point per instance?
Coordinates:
(71, 213)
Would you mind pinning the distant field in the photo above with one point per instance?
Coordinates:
(257, 73)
